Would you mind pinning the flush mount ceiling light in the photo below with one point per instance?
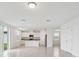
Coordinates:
(32, 4)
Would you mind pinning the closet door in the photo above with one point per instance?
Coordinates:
(69, 40)
(66, 39)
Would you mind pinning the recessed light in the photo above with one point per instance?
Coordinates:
(48, 20)
(32, 4)
(23, 20)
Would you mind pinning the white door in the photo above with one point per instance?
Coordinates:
(69, 40)
(66, 39)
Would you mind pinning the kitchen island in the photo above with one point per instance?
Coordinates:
(31, 42)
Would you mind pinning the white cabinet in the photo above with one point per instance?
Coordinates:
(31, 43)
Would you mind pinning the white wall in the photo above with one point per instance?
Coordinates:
(70, 37)
(26, 34)
(49, 33)
(15, 37)
(49, 37)
(42, 37)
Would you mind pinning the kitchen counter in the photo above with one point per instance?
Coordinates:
(31, 38)
(32, 43)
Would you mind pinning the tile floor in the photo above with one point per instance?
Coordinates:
(37, 52)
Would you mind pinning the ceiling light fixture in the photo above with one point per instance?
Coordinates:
(32, 4)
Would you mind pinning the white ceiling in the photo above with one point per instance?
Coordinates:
(58, 12)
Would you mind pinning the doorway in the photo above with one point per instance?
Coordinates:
(56, 43)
